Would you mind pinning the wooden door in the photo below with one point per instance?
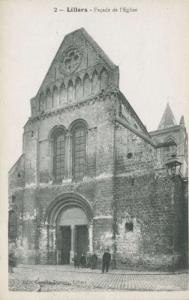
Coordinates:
(81, 240)
(66, 244)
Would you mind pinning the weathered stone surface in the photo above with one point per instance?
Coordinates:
(132, 206)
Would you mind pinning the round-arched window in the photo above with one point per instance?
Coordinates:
(59, 154)
(78, 151)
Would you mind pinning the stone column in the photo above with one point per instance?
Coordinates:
(58, 243)
(72, 251)
(52, 245)
(43, 244)
(90, 229)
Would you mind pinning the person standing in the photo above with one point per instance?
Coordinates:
(76, 261)
(83, 261)
(93, 261)
(106, 261)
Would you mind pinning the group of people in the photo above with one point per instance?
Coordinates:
(85, 261)
(91, 261)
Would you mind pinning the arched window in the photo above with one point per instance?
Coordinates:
(103, 79)
(95, 83)
(170, 147)
(58, 154)
(86, 85)
(62, 94)
(55, 101)
(79, 151)
(78, 88)
(70, 91)
(48, 99)
(41, 102)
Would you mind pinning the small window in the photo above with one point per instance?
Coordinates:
(86, 85)
(129, 155)
(55, 97)
(104, 79)
(95, 83)
(70, 91)
(48, 99)
(128, 226)
(41, 102)
(78, 88)
(63, 94)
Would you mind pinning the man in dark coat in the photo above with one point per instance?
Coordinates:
(94, 261)
(76, 261)
(106, 261)
(83, 260)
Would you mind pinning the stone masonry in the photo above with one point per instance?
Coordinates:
(125, 198)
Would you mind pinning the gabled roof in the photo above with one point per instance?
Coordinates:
(168, 119)
(71, 36)
(98, 49)
(133, 113)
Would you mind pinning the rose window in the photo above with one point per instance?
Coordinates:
(71, 60)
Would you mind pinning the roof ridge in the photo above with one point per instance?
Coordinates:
(96, 46)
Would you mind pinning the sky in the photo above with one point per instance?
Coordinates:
(150, 44)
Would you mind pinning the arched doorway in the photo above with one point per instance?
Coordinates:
(70, 229)
(72, 234)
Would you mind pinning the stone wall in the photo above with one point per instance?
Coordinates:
(17, 175)
(148, 222)
(135, 209)
(40, 190)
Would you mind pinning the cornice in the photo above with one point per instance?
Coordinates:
(133, 113)
(72, 107)
(141, 135)
(165, 130)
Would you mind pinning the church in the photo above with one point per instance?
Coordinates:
(91, 176)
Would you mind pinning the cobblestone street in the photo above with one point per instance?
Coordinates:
(57, 278)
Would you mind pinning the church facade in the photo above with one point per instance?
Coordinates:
(91, 176)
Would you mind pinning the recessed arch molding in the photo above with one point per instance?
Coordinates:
(65, 201)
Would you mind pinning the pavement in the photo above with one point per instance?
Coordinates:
(64, 277)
